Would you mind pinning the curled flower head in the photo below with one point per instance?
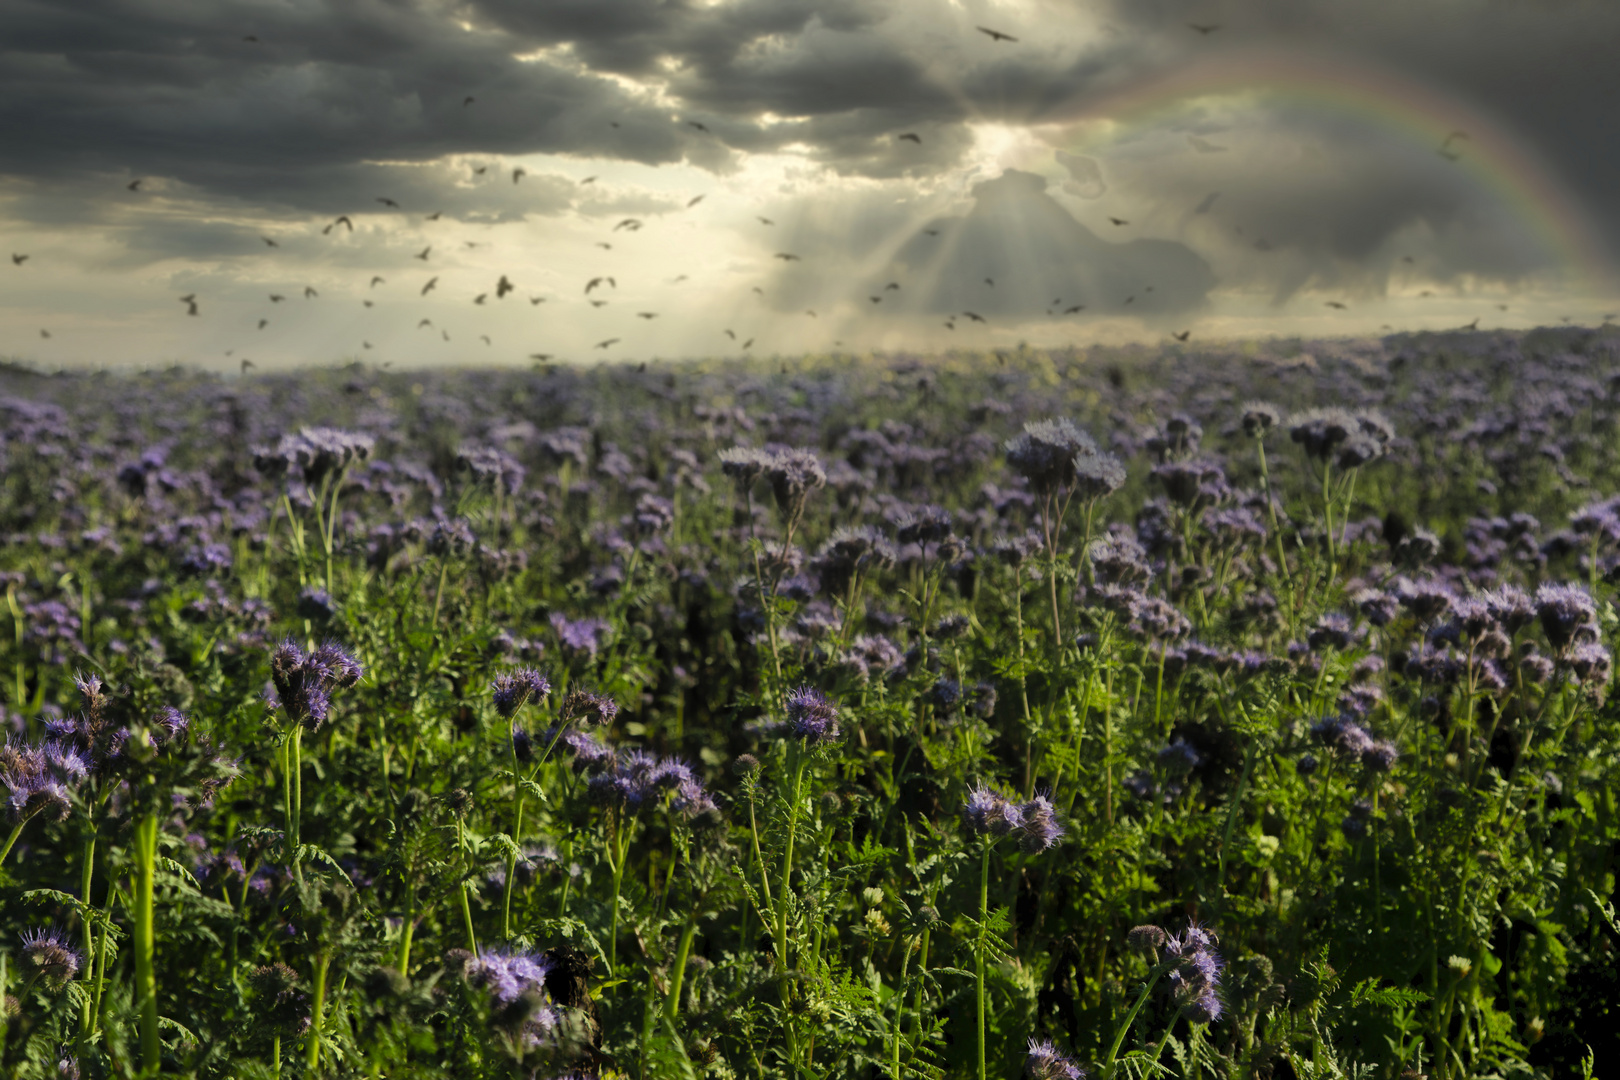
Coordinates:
(50, 953)
(1567, 614)
(811, 716)
(1260, 417)
(1046, 452)
(304, 684)
(990, 813)
(1044, 1062)
(515, 689)
(589, 707)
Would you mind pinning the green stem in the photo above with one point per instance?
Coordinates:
(1108, 1064)
(16, 831)
(978, 956)
(86, 875)
(321, 965)
(672, 1004)
(146, 831)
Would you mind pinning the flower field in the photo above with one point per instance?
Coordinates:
(1112, 713)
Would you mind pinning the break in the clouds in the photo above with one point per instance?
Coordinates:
(790, 173)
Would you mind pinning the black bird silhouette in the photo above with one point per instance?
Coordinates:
(486, 339)
(533, 300)
(587, 180)
(189, 298)
(931, 232)
(1503, 307)
(343, 219)
(757, 289)
(252, 38)
(1406, 259)
(975, 316)
(1075, 310)
(995, 35)
(990, 281)
(479, 299)
(269, 242)
(1119, 221)
(468, 100)
(18, 260)
(786, 257)
(445, 334)
(646, 314)
(595, 281)
(598, 303)
(1473, 325)
(949, 325)
(309, 293)
(811, 312)
(1336, 305)
(471, 243)
(263, 323)
(1425, 292)
(605, 344)
(604, 245)
(376, 281)
(435, 215)
(1209, 201)
(480, 170)
(749, 344)
(1205, 29)
(134, 185)
(730, 335)
(424, 322)
(276, 298)
(693, 201)
(891, 286)
(366, 302)
(519, 173)
(502, 287)
(429, 286)
(1183, 336)
(44, 333)
(766, 221)
(697, 125)
(540, 356)
(423, 254)
(875, 299)
(628, 223)
(388, 202)
(1129, 300)
(367, 344)
(246, 363)
(677, 279)
(910, 136)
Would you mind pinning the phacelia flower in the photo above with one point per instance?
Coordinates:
(811, 716)
(515, 689)
(50, 953)
(1044, 1062)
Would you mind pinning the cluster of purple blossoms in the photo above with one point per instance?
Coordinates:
(1195, 980)
(811, 716)
(316, 452)
(40, 778)
(515, 689)
(792, 473)
(580, 636)
(510, 977)
(1045, 1062)
(304, 684)
(635, 778)
(1349, 739)
(988, 812)
(1567, 614)
(495, 467)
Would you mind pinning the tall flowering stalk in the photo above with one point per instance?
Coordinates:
(1193, 968)
(991, 816)
(510, 693)
(303, 695)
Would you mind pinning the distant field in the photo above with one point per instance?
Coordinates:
(1188, 713)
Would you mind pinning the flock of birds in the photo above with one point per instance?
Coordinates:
(608, 283)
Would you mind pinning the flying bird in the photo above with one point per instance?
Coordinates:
(44, 333)
(468, 100)
(480, 170)
(995, 35)
(18, 260)
(766, 221)
(519, 173)
(1473, 325)
(388, 202)
(604, 245)
(253, 38)
(595, 281)
(810, 312)
(471, 243)
(730, 335)
(949, 325)
(697, 125)
(875, 299)
(276, 298)
(587, 180)
(479, 299)
(540, 356)
(189, 298)
(502, 287)
(628, 223)
(423, 254)
(341, 219)
(1183, 336)
(749, 344)
(1075, 310)
(533, 300)
(429, 286)
(269, 242)
(134, 185)
(786, 257)
(1205, 29)
(376, 281)
(1336, 305)
(677, 279)
(310, 293)
(1209, 201)
(990, 281)
(367, 344)
(263, 323)
(435, 215)
(757, 289)
(1129, 300)
(424, 322)
(598, 303)
(910, 136)
(694, 201)
(445, 334)
(246, 363)
(931, 232)
(1118, 221)
(605, 344)
(486, 339)
(975, 316)
(891, 286)
(646, 314)
(367, 303)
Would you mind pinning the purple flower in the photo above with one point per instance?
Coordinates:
(988, 812)
(1043, 1062)
(590, 707)
(1046, 452)
(515, 689)
(579, 635)
(811, 716)
(304, 684)
(1196, 975)
(51, 955)
(1567, 614)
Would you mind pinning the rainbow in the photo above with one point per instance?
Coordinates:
(1493, 157)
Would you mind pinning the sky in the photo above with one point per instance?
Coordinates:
(507, 182)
